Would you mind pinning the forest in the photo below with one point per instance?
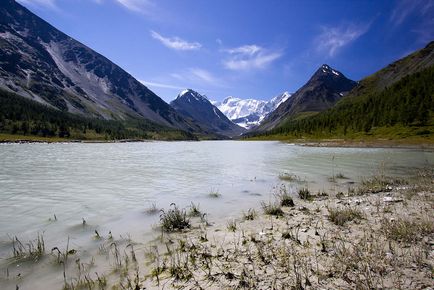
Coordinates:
(20, 116)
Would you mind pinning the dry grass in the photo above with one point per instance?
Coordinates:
(405, 229)
(272, 208)
(340, 216)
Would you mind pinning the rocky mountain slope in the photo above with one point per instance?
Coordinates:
(199, 109)
(321, 92)
(41, 63)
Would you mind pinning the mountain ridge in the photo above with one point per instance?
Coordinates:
(326, 86)
(41, 63)
(191, 104)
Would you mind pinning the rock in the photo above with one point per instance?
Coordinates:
(392, 199)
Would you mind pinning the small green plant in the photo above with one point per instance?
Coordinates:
(214, 193)
(194, 210)
(272, 208)
(340, 175)
(232, 226)
(249, 215)
(289, 177)
(174, 219)
(152, 209)
(304, 193)
(33, 250)
(286, 199)
(340, 216)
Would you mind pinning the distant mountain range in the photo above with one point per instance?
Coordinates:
(248, 113)
(41, 63)
(194, 106)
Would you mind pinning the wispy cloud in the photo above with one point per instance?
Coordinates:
(51, 4)
(422, 11)
(140, 6)
(248, 57)
(332, 39)
(176, 42)
(198, 76)
(204, 75)
(405, 8)
(160, 85)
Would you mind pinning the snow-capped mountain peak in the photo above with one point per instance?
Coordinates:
(249, 112)
(190, 94)
(327, 69)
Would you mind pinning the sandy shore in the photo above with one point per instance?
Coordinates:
(376, 235)
(380, 235)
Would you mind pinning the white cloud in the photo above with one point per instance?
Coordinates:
(176, 42)
(203, 75)
(160, 85)
(333, 39)
(249, 57)
(141, 6)
(245, 49)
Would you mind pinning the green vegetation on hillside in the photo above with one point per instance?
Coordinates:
(21, 118)
(403, 110)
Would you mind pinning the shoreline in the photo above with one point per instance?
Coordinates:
(383, 237)
(379, 233)
(332, 143)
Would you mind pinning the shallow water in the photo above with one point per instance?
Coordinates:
(111, 185)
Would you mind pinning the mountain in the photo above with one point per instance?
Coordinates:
(322, 91)
(198, 108)
(41, 63)
(397, 102)
(248, 113)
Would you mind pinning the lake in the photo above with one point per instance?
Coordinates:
(110, 185)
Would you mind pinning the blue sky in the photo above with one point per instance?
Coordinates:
(244, 48)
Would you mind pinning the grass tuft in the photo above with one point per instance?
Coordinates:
(33, 250)
(152, 209)
(250, 215)
(174, 219)
(305, 194)
(340, 216)
(289, 177)
(232, 226)
(407, 230)
(214, 193)
(272, 208)
(194, 210)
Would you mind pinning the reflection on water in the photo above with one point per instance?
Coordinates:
(111, 185)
